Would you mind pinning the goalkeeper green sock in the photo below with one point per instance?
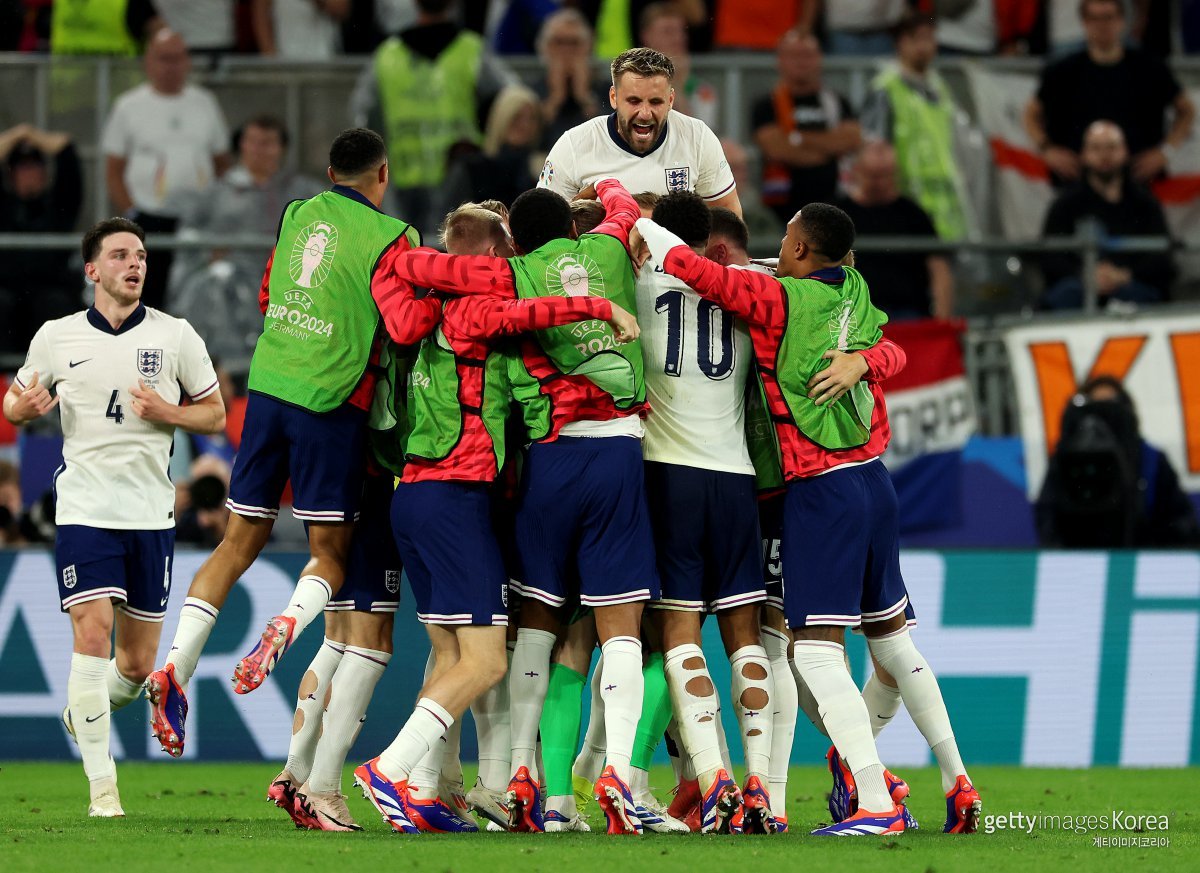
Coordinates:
(562, 714)
(656, 712)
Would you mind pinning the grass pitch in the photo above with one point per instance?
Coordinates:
(213, 817)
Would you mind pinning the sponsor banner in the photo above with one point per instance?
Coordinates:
(1157, 357)
(1045, 659)
(1022, 180)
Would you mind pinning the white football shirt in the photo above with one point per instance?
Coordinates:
(697, 359)
(114, 472)
(688, 157)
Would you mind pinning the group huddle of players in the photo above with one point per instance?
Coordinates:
(578, 426)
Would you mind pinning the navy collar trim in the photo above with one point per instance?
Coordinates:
(829, 275)
(355, 195)
(99, 322)
(624, 146)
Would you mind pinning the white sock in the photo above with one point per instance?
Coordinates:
(196, 620)
(426, 726)
(121, 691)
(309, 600)
(696, 714)
(723, 742)
(350, 694)
(423, 780)
(883, 702)
(922, 698)
(311, 698)
(493, 730)
(528, 682)
(87, 697)
(822, 664)
(564, 804)
(590, 761)
(452, 762)
(752, 687)
(639, 782)
(806, 701)
(621, 688)
(783, 716)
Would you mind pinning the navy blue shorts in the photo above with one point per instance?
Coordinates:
(582, 515)
(373, 567)
(324, 456)
(841, 548)
(706, 537)
(770, 519)
(444, 535)
(133, 566)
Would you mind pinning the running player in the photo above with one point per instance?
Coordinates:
(441, 512)
(119, 371)
(582, 526)
(839, 529)
(329, 272)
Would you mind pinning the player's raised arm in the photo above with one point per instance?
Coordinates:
(884, 360)
(621, 211)
(752, 296)
(485, 317)
(461, 275)
(407, 317)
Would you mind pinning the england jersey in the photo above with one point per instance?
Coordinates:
(114, 472)
(697, 359)
(688, 157)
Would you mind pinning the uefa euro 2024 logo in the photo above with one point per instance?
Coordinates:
(312, 255)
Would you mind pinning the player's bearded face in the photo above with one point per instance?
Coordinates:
(120, 269)
(642, 104)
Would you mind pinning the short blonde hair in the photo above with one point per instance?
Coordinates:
(511, 100)
(644, 62)
(470, 230)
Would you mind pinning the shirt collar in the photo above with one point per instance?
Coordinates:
(624, 146)
(829, 275)
(355, 195)
(99, 322)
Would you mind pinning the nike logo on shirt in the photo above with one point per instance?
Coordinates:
(94, 718)
(73, 364)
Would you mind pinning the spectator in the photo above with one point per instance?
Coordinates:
(514, 27)
(616, 22)
(752, 24)
(164, 140)
(1107, 80)
(201, 516)
(306, 30)
(569, 94)
(37, 285)
(911, 108)
(101, 27)
(1123, 208)
(663, 27)
(206, 25)
(861, 27)
(802, 129)
(1105, 486)
(508, 163)
(424, 89)
(905, 285)
(217, 291)
(968, 27)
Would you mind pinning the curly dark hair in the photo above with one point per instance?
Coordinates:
(828, 230)
(538, 216)
(93, 240)
(685, 215)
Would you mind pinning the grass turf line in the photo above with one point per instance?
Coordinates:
(214, 817)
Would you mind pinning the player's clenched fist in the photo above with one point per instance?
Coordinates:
(149, 405)
(624, 325)
(33, 402)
